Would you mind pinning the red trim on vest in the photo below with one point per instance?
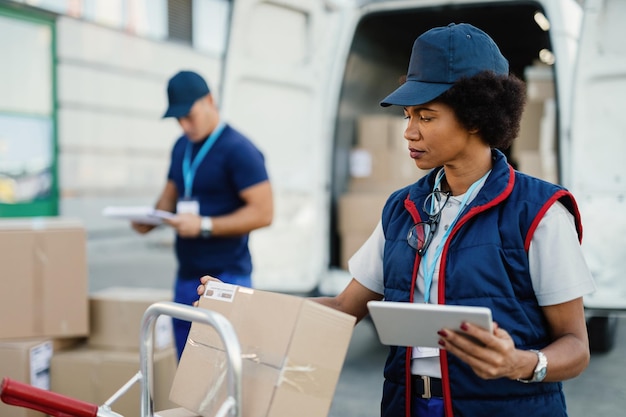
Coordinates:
(557, 196)
(409, 205)
(408, 396)
(445, 382)
(441, 299)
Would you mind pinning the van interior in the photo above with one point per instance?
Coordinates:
(379, 56)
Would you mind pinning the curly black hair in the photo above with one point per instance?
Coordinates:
(493, 104)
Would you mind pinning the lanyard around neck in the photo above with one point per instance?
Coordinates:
(190, 167)
(429, 268)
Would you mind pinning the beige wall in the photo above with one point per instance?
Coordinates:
(113, 145)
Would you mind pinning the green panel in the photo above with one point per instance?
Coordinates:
(35, 209)
(14, 175)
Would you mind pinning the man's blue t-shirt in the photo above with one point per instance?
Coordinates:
(232, 164)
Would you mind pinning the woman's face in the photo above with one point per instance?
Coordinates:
(435, 135)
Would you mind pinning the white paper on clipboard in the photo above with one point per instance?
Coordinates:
(139, 214)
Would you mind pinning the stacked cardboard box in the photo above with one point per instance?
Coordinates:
(292, 349)
(44, 298)
(116, 315)
(380, 160)
(534, 151)
(43, 268)
(28, 361)
(176, 412)
(110, 357)
(379, 165)
(55, 335)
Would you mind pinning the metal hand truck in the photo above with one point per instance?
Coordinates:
(56, 405)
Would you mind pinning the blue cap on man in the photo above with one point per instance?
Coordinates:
(183, 90)
(442, 56)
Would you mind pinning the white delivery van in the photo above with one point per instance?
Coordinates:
(304, 78)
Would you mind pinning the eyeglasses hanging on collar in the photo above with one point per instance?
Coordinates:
(421, 235)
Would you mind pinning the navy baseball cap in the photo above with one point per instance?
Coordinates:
(183, 90)
(440, 57)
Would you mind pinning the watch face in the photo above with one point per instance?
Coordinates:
(541, 374)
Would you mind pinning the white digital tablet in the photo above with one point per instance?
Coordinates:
(413, 324)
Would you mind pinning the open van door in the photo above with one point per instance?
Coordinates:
(278, 88)
(598, 144)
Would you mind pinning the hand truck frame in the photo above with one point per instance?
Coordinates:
(56, 405)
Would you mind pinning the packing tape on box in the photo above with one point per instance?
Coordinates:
(218, 372)
(306, 378)
(41, 261)
(311, 380)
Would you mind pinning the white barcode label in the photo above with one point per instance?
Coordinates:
(40, 357)
(220, 291)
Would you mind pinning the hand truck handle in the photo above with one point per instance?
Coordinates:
(232, 406)
(48, 402)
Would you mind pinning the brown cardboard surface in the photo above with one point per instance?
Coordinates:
(372, 131)
(116, 314)
(94, 375)
(292, 349)
(17, 359)
(380, 160)
(393, 167)
(366, 185)
(367, 165)
(360, 212)
(43, 264)
(176, 412)
(381, 131)
(350, 243)
(17, 272)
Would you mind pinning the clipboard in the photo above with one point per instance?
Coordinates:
(139, 214)
(416, 324)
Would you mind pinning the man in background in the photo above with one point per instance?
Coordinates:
(219, 189)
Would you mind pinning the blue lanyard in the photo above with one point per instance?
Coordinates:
(429, 269)
(189, 167)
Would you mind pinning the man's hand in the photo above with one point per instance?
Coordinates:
(202, 286)
(186, 224)
(141, 228)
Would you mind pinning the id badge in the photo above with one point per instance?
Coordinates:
(188, 206)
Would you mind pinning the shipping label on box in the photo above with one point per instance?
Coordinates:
(380, 160)
(26, 361)
(293, 351)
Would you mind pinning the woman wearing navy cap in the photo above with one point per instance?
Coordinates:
(474, 232)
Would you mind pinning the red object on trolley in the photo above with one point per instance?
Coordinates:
(53, 404)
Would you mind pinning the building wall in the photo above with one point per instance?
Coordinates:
(113, 145)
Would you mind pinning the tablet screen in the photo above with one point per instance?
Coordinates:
(414, 324)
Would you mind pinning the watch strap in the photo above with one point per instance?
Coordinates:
(540, 370)
(206, 227)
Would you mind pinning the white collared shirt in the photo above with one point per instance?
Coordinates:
(554, 252)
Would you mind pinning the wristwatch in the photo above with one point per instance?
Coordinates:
(540, 370)
(206, 227)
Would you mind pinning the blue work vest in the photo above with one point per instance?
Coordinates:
(484, 263)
